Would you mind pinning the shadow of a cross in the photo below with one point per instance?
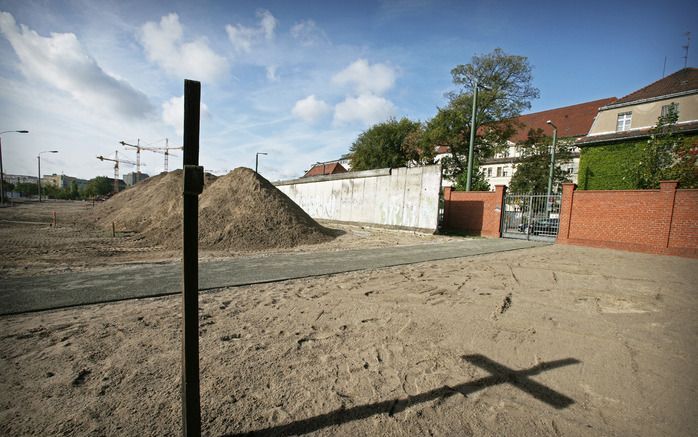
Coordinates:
(499, 374)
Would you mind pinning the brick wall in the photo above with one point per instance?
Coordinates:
(474, 212)
(663, 221)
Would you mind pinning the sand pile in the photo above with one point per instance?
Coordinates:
(240, 211)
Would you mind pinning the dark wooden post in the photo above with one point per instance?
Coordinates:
(193, 186)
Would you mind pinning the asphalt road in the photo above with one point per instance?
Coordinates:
(26, 294)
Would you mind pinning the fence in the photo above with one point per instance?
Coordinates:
(405, 198)
(663, 221)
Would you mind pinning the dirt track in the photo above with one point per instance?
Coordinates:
(547, 341)
(31, 246)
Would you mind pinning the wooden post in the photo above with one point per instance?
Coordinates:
(193, 185)
(54, 219)
(113, 230)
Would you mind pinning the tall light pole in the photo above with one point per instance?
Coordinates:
(552, 162)
(256, 160)
(473, 128)
(38, 160)
(2, 174)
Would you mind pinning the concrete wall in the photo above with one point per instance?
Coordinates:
(663, 221)
(400, 197)
(474, 212)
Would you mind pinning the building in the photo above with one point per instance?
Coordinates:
(62, 181)
(622, 128)
(573, 122)
(20, 179)
(133, 178)
(325, 168)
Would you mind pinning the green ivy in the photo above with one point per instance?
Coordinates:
(606, 167)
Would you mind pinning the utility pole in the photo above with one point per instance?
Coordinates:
(552, 165)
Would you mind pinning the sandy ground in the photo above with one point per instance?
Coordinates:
(31, 245)
(548, 341)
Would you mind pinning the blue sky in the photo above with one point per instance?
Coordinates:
(296, 79)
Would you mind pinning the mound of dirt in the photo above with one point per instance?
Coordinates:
(240, 211)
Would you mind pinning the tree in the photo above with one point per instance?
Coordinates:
(508, 78)
(381, 145)
(666, 156)
(74, 193)
(27, 189)
(533, 170)
(98, 186)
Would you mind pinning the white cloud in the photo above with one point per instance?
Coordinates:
(366, 108)
(244, 37)
(193, 60)
(308, 33)
(173, 113)
(271, 73)
(62, 62)
(310, 109)
(366, 78)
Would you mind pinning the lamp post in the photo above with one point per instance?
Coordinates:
(38, 160)
(256, 160)
(472, 133)
(2, 174)
(552, 161)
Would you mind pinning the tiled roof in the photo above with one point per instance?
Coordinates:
(325, 169)
(682, 81)
(633, 134)
(571, 121)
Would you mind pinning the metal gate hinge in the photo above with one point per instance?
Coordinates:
(193, 179)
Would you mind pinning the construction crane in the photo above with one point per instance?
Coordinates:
(116, 162)
(162, 150)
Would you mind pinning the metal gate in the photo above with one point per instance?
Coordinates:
(531, 216)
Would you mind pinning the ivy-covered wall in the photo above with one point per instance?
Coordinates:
(612, 166)
(609, 167)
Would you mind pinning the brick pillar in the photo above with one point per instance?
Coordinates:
(566, 205)
(499, 192)
(667, 191)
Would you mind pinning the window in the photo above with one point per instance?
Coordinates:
(666, 109)
(505, 172)
(489, 172)
(624, 119)
(499, 172)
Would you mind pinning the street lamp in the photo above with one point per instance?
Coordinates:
(2, 174)
(38, 159)
(472, 133)
(552, 160)
(256, 160)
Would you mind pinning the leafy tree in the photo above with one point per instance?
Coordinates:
(26, 189)
(666, 156)
(509, 82)
(381, 145)
(98, 186)
(533, 170)
(74, 193)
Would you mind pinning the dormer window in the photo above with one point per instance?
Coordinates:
(624, 120)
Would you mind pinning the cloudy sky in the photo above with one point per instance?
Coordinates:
(298, 80)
